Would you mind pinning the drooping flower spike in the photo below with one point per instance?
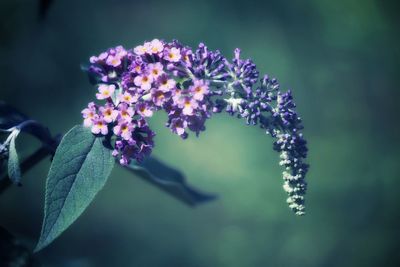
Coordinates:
(191, 85)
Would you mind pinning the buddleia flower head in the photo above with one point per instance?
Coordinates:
(190, 86)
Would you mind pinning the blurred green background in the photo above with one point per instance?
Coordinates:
(341, 58)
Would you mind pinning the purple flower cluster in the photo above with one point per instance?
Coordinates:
(190, 85)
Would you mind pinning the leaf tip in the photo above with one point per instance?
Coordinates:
(40, 245)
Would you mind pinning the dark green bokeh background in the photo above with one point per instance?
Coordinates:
(341, 58)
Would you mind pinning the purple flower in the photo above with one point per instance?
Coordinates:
(99, 126)
(105, 91)
(165, 83)
(199, 89)
(125, 112)
(99, 58)
(142, 49)
(178, 126)
(176, 95)
(137, 66)
(89, 114)
(108, 113)
(172, 54)
(114, 61)
(197, 124)
(155, 70)
(187, 56)
(156, 46)
(144, 81)
(128, 98)
(124, 129)
(188, 105)
(144, 110)
(120, 52)
(103, 56)
(160, 97)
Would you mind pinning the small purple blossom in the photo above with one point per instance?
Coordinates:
(141, 49)
(99, 126)
(199, 89)
(156, 46)
(165, 83)
(124, 129)
(105, 91)
(160, 97)
(172, 54)
(125, 112)
(155, 70)
(144, 110)
(114, 61)
(108, 113)
(128, 98)
(178, 126)
(188, 105)
(144, 81)
(89, 114)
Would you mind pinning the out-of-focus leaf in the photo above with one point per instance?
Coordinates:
(80, 168)
(9, 116)
(14, 171)
(13, 252)
(44, 6)
(170, 180)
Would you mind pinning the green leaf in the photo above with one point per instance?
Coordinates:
(14, 171)
(170, 180)
(80, 168)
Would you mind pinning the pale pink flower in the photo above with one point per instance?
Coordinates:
(103, 56)
(124, 129)
(109, 113)
(142, 49)
(105, 91)
(173, 54)
(114, 61)
(128, 98)
(156, 46)
(125, 112)
(120, 51)
(166, 84)
(178, 126)
(176, 95)
(159, 97)
(144, 110)
(99, 126)
(144, 81)
(155, 70)
(188, 105)
(89, 114)
(199, 89)
(93, 59)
